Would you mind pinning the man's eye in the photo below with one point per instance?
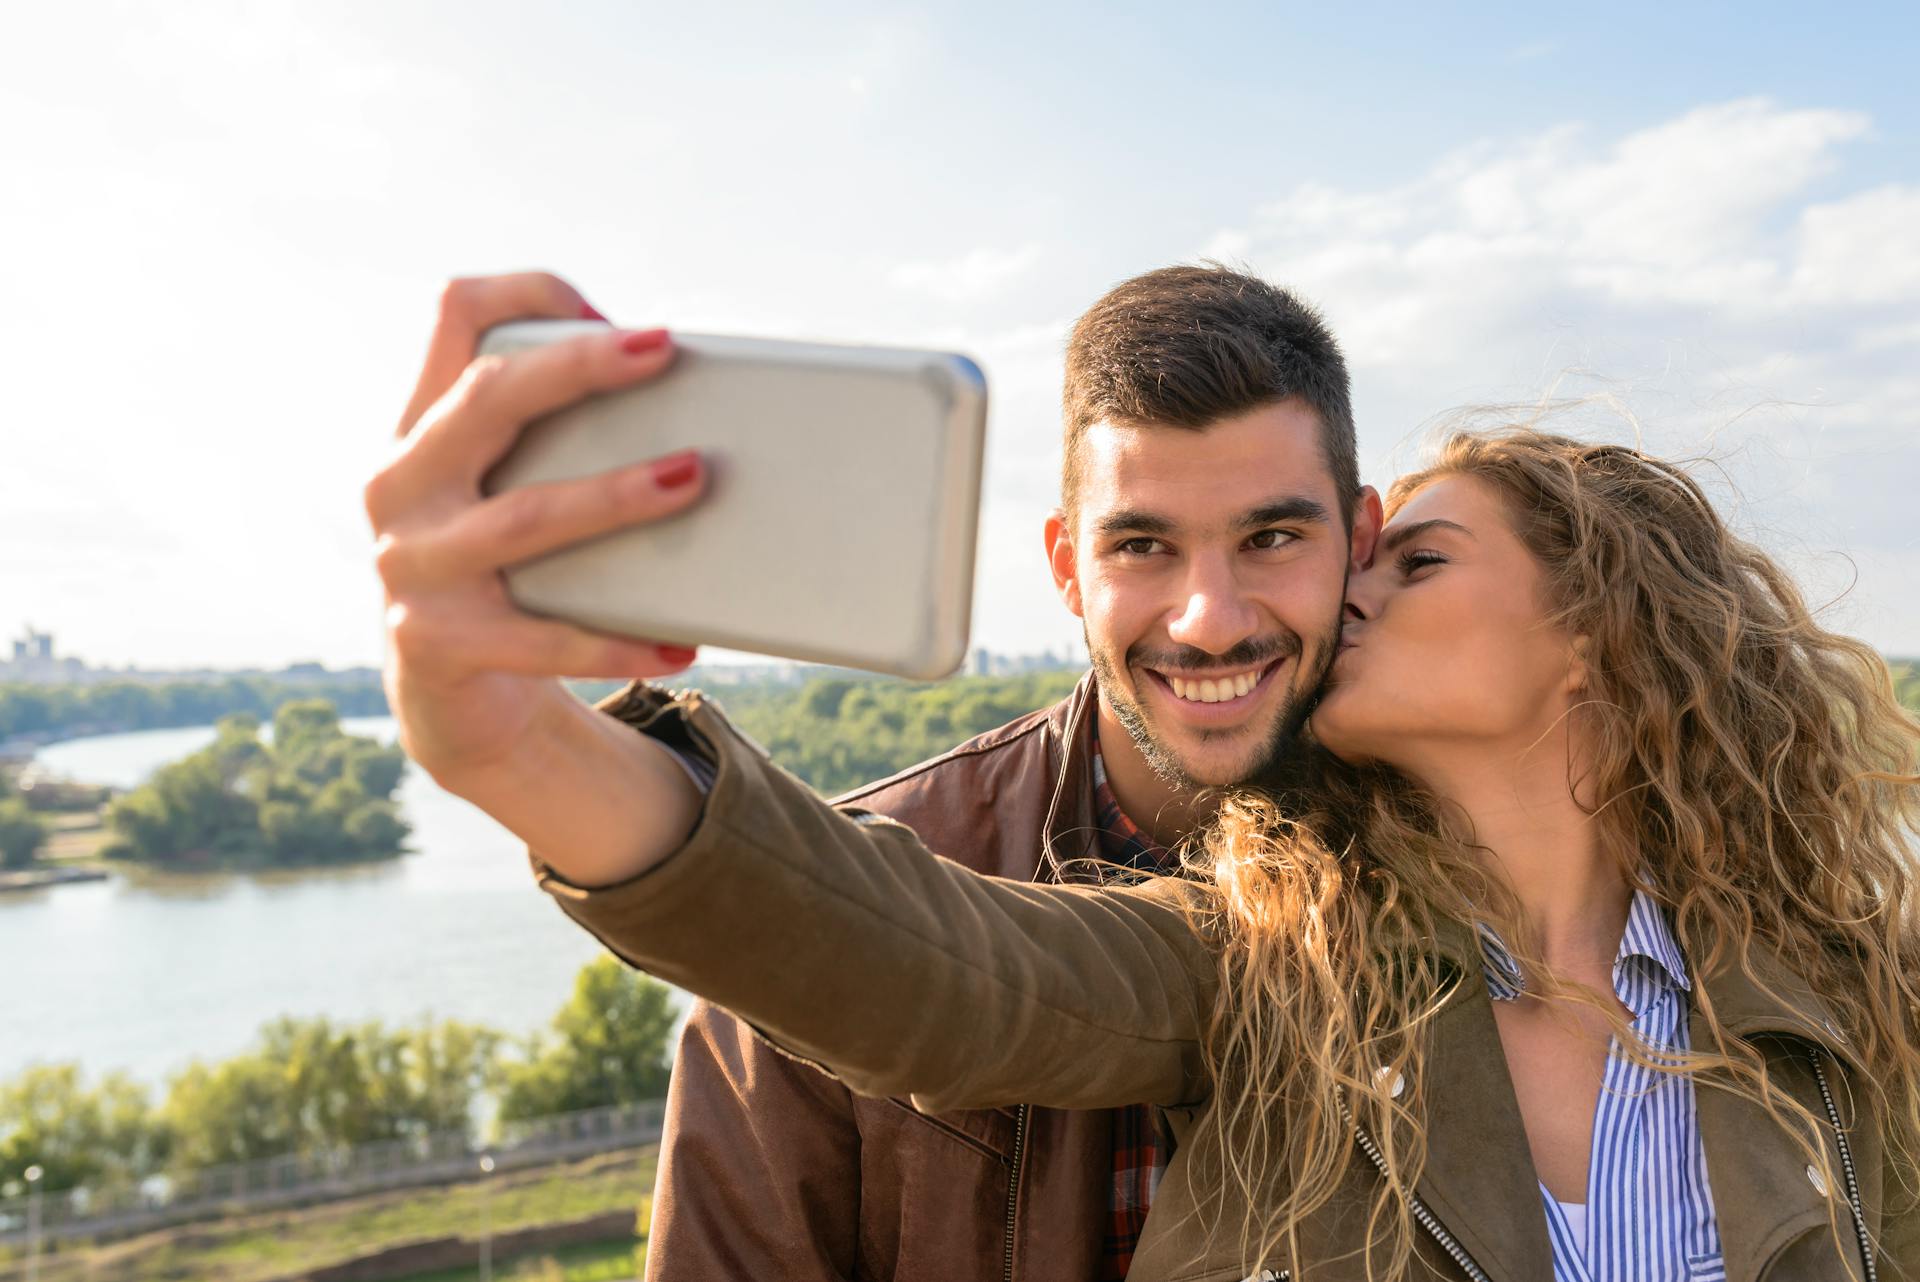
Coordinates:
(1268, 540)
(1139, 547)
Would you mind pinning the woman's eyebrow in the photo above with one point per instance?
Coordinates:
(1394, 538)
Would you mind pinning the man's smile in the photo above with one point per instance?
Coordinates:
(1215, 696)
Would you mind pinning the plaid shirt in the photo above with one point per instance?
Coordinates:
(1139, 1154)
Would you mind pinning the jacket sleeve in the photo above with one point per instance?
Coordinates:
(759, 1165)
(841, 937)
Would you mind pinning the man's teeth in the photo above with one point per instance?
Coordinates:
(1214, 689)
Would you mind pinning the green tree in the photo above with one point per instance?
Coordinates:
(237, 1110)
(310, 1085)
(608, 1046)
(22, 834)
(1906, 682)
(316, 795)
(78, 1135)
(839, 732)
(303, 731)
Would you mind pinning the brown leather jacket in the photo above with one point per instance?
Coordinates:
(771, 1168)
(844, 939)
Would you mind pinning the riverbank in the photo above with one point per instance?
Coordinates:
(24, 879)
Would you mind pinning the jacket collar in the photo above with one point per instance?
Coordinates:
(1773, 1000)
(1072, 830)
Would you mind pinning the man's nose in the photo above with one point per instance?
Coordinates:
(1214, 615)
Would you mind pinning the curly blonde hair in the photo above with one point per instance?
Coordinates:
(1754, 773)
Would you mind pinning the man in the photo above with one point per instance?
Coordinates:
(1210, 513)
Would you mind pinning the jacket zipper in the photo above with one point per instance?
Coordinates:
(1846, 1168)
(1013, 1186)
(1425, 1217)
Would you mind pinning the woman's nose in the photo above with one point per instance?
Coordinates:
(1363, 595)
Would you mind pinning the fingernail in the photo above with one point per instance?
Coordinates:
(672, 472)
(679, 656)
(589, 312)
(643, 340)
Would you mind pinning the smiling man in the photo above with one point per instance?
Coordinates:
(1210, 511)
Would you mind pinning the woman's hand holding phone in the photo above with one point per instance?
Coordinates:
(473, 680)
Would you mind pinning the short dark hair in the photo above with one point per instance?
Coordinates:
(1188, 346)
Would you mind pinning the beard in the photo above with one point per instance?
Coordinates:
(1282, 733)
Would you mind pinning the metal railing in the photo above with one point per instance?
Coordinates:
(235, 1189)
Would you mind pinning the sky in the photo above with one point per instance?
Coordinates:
(223, 228)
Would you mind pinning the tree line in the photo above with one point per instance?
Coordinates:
(312, 1085)
(112, 707)
(838, 733)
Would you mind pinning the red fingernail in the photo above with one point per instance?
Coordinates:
(672, 472)
(679, 656)
(589, 312)
(643, 340)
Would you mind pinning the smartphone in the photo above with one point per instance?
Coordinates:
(841, 514)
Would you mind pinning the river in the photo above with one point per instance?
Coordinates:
(146, 973)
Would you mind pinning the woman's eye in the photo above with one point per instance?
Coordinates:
(1268, 540)
(1412, 561)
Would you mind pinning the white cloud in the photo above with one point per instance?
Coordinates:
(1863, 249)
(972, 277)
(1702, 273)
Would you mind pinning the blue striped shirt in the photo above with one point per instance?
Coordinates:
(1649, 1211)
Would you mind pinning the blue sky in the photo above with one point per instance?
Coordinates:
(224, 225)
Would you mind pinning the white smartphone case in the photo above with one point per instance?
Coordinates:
(841, 514)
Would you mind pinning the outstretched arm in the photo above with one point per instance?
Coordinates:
(841, 937)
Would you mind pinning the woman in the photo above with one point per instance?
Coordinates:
(1591, 954)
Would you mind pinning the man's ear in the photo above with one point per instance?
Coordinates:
(1367, 520)
(1066, 579)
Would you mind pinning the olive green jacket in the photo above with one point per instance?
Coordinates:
(842, 940)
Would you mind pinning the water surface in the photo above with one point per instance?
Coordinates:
(145, 972)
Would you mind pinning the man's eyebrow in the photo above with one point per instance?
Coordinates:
(1394, 538)
(1285, 511)
(1293, 510)
(1133, 521)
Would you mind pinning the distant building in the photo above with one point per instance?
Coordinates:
(34, 663)
(33, 646)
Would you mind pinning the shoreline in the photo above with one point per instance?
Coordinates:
(26, 879)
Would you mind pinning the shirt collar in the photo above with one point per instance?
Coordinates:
(1647, 936)
(1122, 840)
